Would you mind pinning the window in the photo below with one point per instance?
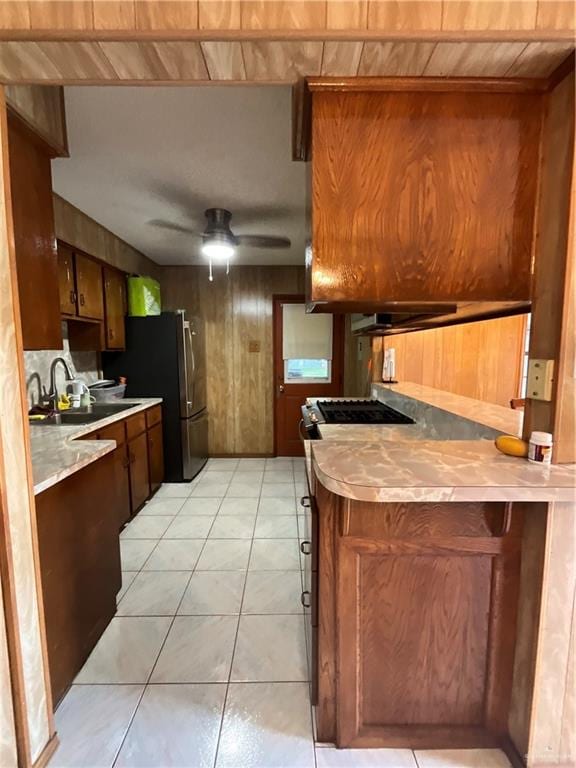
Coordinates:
(306, 371)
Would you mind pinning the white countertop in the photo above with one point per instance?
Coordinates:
(57, 452)
(400, 463)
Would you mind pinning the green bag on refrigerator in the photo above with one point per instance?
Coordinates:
(143, 297)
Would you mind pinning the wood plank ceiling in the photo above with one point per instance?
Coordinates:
(269, 61)
(278, 41)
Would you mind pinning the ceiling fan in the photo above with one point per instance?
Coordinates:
(219, 243)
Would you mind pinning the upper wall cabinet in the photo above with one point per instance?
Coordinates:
(422, 192)
(115, 305)
(34, 238)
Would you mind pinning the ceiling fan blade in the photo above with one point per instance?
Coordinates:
(263, 241)
(174, 227)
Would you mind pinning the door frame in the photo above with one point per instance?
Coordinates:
(337, 346)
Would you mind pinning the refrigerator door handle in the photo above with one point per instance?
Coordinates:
(185, 404)
(190, 348)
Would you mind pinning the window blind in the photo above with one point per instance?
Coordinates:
(305, 337)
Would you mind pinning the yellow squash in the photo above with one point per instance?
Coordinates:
(511, 446)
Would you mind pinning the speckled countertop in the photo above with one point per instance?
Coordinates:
(448, 455)
(57, 452)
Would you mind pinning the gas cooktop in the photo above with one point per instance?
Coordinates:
(360, 412)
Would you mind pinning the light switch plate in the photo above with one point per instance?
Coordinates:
(540, 378)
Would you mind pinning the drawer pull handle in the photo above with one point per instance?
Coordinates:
(306, 547)
(303, 501)
(81, 299)
(305, 599)
(72, 297)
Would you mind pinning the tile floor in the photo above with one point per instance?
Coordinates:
(204, 665)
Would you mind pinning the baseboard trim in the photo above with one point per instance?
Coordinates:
(47, 752)
(241, 455)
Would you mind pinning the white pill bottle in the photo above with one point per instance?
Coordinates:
(540, 448)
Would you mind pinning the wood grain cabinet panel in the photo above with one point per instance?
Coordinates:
(34, 239)
(135, 425)
(155, 457)
(115, 304)
(89, 288)
(80, 566)
(66, 280)
(139, 471)
(423, 196)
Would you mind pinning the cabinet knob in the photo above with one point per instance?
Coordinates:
(305, 599)
(303, 501)
(306, 547)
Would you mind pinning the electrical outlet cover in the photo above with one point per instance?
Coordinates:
(540, 378)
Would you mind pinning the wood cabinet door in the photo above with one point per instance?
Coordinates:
(139, 471)
(426, 624)
(34, 240)
(66, 281)
(115, 303)
(122, 484)
(89, 287)
(155, 457)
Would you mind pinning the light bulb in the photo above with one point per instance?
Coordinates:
(217, 251)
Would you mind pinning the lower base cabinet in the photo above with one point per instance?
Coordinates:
(80, 565)
(139, 471)
(412, 625)
(155, 457)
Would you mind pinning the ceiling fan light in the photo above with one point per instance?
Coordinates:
(217, 250)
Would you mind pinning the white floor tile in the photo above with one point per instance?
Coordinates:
(243, 490)
(154, 593)
(135, 552)
(223, 476)
(175, 555)
(127, 579)
(176, 726)
(273, 592)
(233, 527)
(275, 555)
(276, 527)
(198, 649)
(198, 506)
(217, 465)
(148, 527)
(280, 463)
(329, 757)
(278, 490)
(162, 507)
(189, 527)
(221, 555)
(277, 506)
(266, 725)
(173, 491)
(91, 722)
(278, 476)
(270, 648)
(248, 476)
(209, 489)
(461, 758)
(238, 507)
(251, 464)
(213, 593)
(126, 652)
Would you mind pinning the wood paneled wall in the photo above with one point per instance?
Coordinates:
(42, 109)
(482, 360)
(141, 16)
(237, 315)
(78, 229)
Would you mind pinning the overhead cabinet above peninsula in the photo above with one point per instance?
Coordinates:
(423, 192)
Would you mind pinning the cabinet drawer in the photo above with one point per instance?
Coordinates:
(153, 416)
(113, 432)
(135, 425)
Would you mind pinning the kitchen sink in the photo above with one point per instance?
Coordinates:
(84, 415)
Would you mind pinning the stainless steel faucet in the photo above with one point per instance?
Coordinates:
(53, 394)
(35, 377)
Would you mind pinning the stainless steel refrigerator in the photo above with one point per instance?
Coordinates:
(165, 357)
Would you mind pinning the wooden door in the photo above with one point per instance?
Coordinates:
(89, 287)
(121, 479)
(115, 302)
(34, 240)
(155, 457)
(66, 282)
(139, 471)
(289, 397)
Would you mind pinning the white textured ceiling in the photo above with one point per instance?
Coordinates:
(143, 154)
